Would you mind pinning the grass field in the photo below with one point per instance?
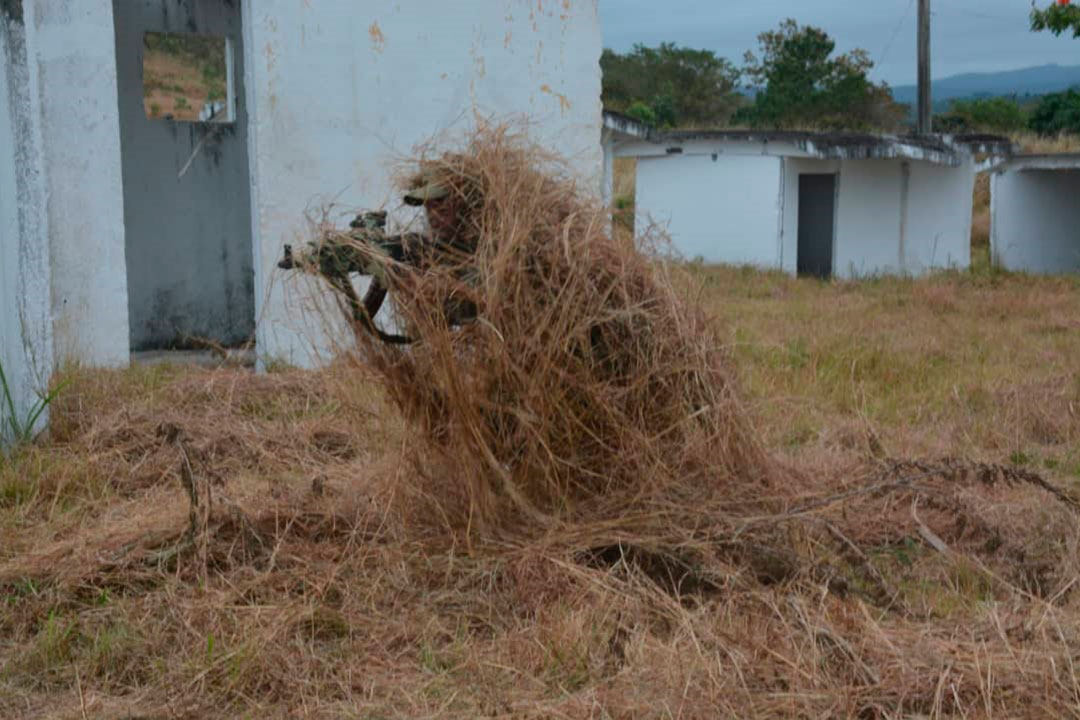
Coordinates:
(309, 594)
(181, 73)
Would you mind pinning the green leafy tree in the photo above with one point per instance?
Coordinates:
(1058, 18)
(805, 85)
(1057, 113)
(678, 86)
(998, 114)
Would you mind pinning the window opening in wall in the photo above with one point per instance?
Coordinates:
(188, 78)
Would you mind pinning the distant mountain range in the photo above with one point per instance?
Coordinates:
(1028, 81)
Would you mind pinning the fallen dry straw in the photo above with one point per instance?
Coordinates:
(586, 380)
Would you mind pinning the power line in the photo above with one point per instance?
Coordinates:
(896, 31)
(956, 12)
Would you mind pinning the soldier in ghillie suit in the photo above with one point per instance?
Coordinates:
(368, 250)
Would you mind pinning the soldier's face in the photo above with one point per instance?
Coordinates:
(442, 214)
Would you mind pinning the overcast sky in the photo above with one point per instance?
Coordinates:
(967, 35)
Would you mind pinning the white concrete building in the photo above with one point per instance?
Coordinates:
(845, 205)
(1035, 213)
(123, 230)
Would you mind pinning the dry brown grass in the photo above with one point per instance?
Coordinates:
(319, 584)
(980, 220)
(1032, 143)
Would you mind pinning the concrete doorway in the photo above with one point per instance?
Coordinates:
(817, 224)
(187, 202)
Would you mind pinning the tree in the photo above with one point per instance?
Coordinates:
(1058, 18)
(997, 114)
(805, 86)
(1057, 113)
(676, 86)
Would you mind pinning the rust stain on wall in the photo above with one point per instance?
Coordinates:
(378, 40)
(564, 102)
(271, 58)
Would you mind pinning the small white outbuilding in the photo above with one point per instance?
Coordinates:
(819, 204)
(1035, 213)
(123, 228)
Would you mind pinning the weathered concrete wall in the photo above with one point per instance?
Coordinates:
(723, 209)
(937, 226)
(906, 217)
(868, 218)
(340, 90)
(72, 59)
(188, 238)
(1035, 220)
(25, 324)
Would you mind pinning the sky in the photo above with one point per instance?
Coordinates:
(966, 35)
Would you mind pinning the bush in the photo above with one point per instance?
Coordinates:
(642, 113)
(998, 114)
(1057, 113)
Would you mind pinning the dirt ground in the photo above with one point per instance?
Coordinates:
(921, 416)
(174, 85)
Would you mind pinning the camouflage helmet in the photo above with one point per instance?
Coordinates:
(425, 186)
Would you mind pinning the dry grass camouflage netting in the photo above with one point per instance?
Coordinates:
(587, 384)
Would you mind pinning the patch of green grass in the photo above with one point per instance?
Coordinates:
(53, 650)
(276, 364)
(567, 667)
(16, 488)
(22, 428)
(909, 355)
(19, 591)
(116, 654)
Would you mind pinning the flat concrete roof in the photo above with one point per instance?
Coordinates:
(941, 149)
(624, 127)
(1040, 161)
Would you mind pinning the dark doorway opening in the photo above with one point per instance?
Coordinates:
(817, 222)
(187, 203)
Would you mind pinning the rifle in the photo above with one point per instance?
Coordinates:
(336, 260)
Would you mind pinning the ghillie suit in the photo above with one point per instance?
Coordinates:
(555, 367)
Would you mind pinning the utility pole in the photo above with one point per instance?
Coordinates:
(925, 105)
